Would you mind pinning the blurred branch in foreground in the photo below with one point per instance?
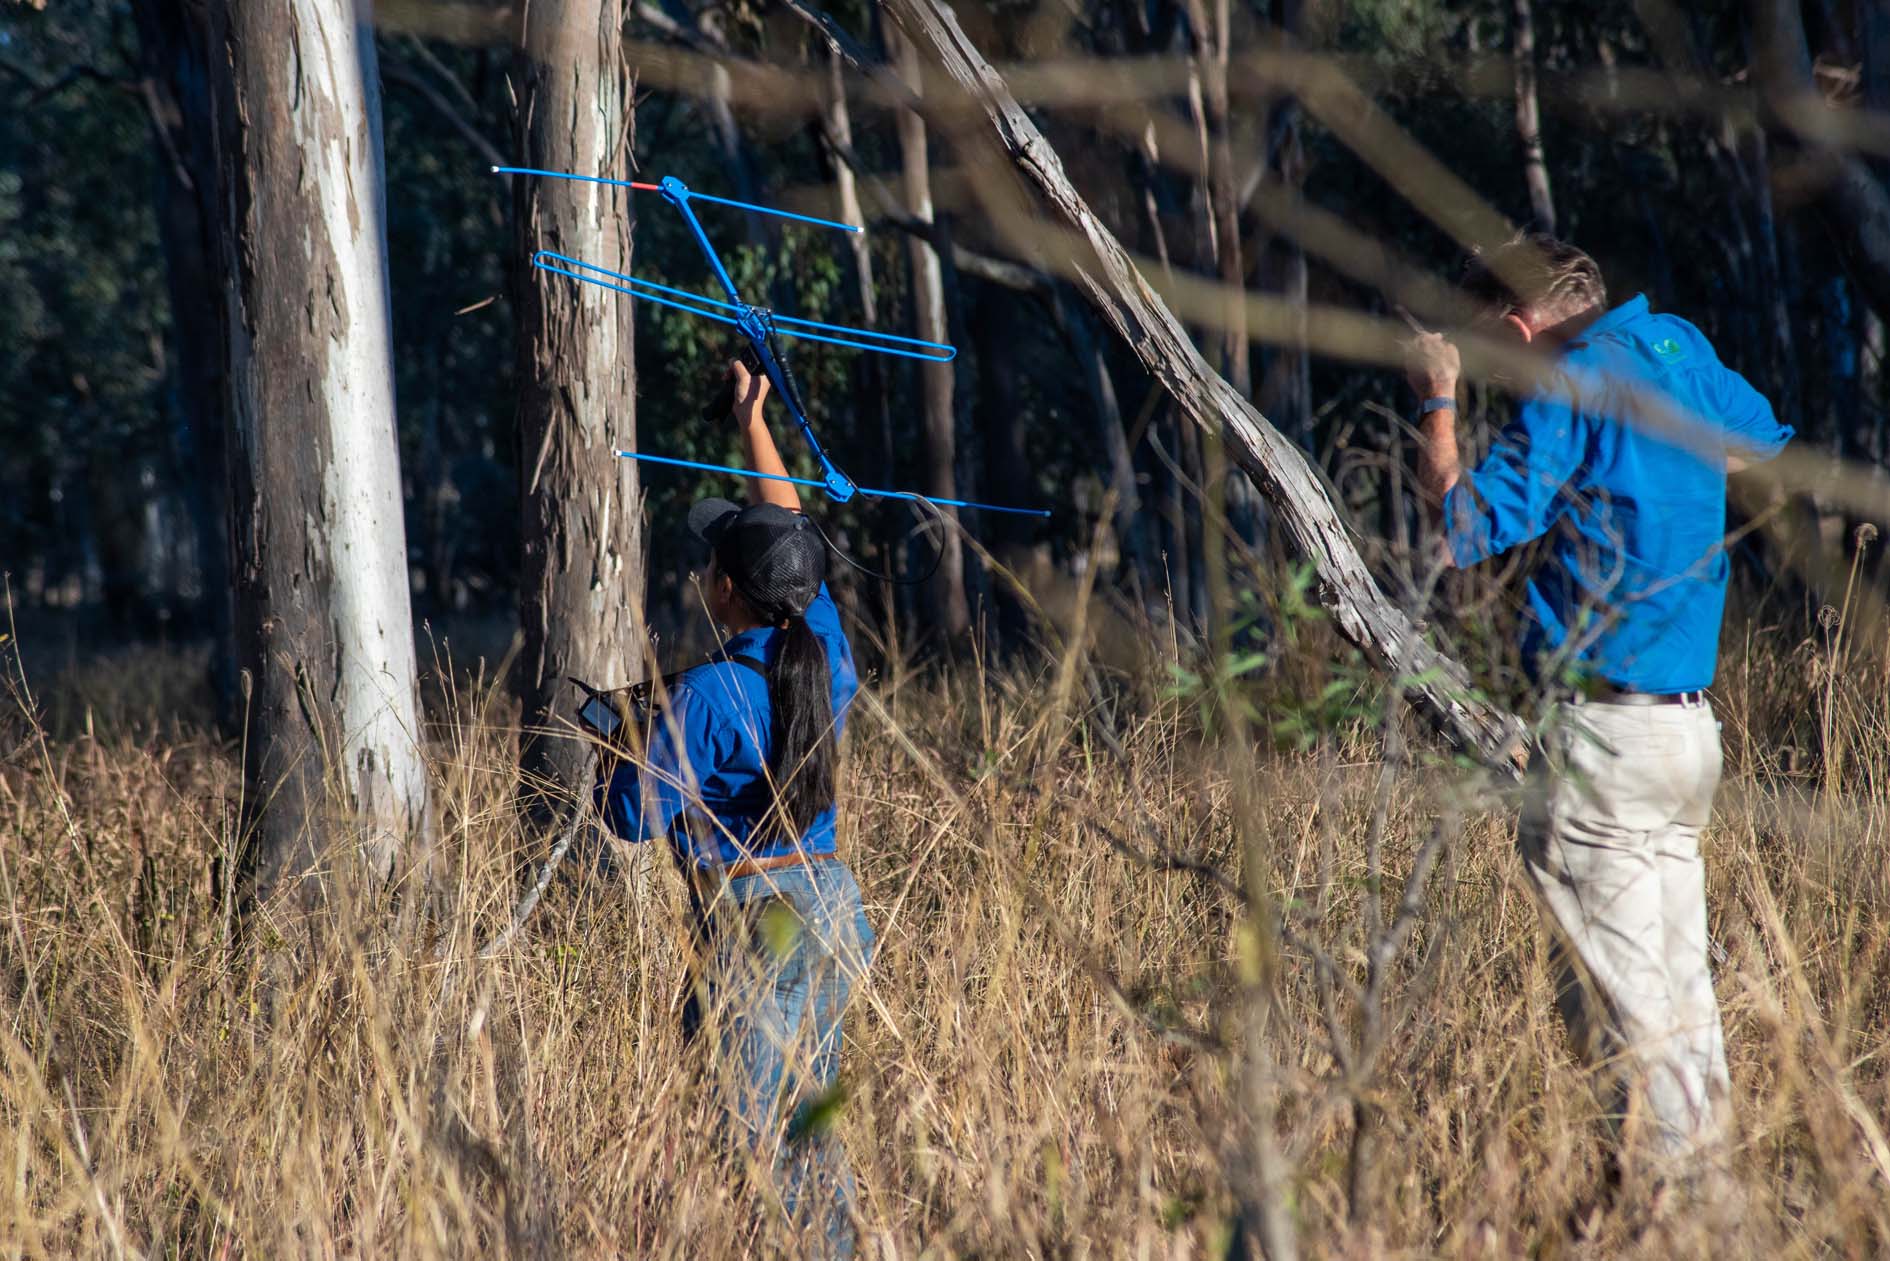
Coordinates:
(1112, 281)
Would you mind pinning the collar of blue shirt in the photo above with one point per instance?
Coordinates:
(1633, 309)
(753, 642)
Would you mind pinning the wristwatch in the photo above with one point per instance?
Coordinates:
(1436, 403)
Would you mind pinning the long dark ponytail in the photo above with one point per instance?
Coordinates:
(800, 692)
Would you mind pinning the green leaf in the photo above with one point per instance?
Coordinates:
(780, 930)
(1245, 663)
(1179, 1211)
(817, 1116)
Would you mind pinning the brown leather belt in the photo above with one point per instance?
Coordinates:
(713, 877)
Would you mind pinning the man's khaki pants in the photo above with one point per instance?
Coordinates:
(1610, 836)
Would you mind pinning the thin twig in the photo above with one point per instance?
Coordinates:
(403, 74)
(529, 903)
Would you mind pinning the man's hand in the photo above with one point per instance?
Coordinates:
(1432, 365)
(750, 388)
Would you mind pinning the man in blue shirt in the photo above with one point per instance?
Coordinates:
(1619, 452)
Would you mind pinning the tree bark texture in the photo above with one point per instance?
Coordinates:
(950, 610)
(581, 576)
(1529, 115)
(324, 628)
(837, 120)
(760, 229)
(1345, 588)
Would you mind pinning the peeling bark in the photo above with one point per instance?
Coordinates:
(324, 628)
(581, 575)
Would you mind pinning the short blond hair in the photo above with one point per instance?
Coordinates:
(1536, 276)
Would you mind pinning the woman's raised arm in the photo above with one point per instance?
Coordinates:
(751, 391)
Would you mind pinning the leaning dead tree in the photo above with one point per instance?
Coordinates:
(324, 628)
(581, 580)
(1439, 686)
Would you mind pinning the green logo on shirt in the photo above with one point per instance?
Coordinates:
(1669, 350)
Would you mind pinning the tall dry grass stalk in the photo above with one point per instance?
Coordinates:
(1048, 1056)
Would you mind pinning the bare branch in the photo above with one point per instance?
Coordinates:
(398, 72)
(1112, 281)
(428, 58)
(856, 54)
(888, 211)
(458, 21)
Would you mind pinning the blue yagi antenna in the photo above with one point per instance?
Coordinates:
(763, 329)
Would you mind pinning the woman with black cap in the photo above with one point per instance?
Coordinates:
(739, 778)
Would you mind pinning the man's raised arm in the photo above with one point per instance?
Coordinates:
(1432, 365)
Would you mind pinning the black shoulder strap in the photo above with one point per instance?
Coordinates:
(750, 662)
(641, 693)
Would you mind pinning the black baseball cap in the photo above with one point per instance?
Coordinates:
(776, 557)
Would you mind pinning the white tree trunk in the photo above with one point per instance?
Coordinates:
(324, 623)
(950, 610)
(1529, 115)
(838, 121)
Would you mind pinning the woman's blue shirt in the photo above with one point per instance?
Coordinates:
(704, 784)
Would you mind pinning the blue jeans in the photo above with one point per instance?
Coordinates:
(782, 950)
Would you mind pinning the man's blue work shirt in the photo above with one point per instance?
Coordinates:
(1636, 582)
(706, 784)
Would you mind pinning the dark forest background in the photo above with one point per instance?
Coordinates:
(110, 524)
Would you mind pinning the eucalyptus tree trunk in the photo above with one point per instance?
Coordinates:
(837, 121)
(324, 627)
(950, 611)
(759, 229)
(872, 409)
(581, 576)
(1529, 114)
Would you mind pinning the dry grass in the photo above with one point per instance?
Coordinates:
(1041, 1062)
